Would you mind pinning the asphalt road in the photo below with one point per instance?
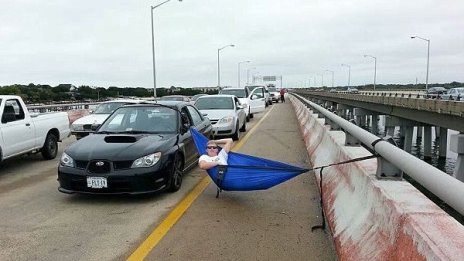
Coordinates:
(40, 223)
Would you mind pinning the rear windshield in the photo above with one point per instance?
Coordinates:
(237, 92)
(272, 89)
(109, 107)
(215, 103)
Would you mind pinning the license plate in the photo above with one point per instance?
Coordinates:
(96, 182)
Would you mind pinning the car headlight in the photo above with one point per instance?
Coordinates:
(77, 127)
(225, 120)
(146, 161)
(66, 160)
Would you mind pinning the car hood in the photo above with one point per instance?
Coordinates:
(119, 146)
(217, 114)
(91, 119)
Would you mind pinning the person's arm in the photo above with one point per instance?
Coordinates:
(226, 144)
(203, 164)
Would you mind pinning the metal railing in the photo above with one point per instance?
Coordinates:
(444, 186)
(60, 107)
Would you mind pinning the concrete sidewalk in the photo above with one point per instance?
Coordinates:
(274, 224)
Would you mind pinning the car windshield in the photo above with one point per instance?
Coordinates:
(141, 119)
(108, 107)
(237, 92)
(171, 98)
(460, 90)
(272, 89)
(215, 103)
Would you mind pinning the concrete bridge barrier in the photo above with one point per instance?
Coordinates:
(372, 219)
(76, 114)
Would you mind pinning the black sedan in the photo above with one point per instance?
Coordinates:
(140, 148)
(435, 92)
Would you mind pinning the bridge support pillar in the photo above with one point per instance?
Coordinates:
(390, 131)
(457, 146)
(408, 132)
(443, 142)
(374, 123)
(427, 142)
(341, 108)
(360, 115)
(419, 132)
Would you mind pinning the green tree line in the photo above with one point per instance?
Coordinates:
(38, 93)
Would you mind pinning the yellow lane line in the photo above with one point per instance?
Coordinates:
(155, 237)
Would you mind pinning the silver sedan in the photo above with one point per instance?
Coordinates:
(225, 113)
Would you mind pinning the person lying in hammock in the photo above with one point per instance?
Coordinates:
(212, 158)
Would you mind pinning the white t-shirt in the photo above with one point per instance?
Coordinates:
(221, 157)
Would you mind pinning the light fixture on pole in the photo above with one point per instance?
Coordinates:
(239, 71)
(349, 73)
(375, 66)
(332, 76)
(428, 56)
(153, 44)
(219, 67)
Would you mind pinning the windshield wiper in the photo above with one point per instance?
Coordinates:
(105, 132)
(135, 132)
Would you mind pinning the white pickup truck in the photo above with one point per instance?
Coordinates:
(22, 132)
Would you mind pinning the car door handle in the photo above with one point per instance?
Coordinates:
(28, 124)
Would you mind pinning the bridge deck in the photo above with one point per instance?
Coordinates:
(262, 225)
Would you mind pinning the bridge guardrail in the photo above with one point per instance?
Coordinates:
(447, 188)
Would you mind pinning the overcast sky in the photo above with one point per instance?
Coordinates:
(108, 43)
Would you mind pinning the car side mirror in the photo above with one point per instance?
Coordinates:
(185, 127)
(239, 107)
(94, 127)
(254, 97)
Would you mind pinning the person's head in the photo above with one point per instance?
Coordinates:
(212, 148)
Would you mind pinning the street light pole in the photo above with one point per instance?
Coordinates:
(248, 74)
(349, 73)
(239, 71)
(153, 44)
(219, 67)
(375, 66)
(428, 56)
(332, 76)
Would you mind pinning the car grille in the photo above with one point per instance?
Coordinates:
(81, 164)
(214, 121)
(99, 166)
(117, 165)
(87, 127)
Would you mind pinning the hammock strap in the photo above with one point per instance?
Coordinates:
(322, 226)
(221, 173)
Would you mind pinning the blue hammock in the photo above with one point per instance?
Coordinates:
(245, 172)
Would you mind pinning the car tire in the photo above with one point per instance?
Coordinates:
(176, 173)
(243, 128)
(236, 135)
(50, 147)
(248, 118)
(251, 116)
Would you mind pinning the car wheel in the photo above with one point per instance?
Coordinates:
(176, 173)
(50, 147)
(251, 116)
(243, 128)
(236, 135)
(248, 118)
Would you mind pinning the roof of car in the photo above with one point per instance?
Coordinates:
(216, 95)
(177, 104)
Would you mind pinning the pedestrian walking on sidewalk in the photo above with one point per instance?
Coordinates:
(282, 95)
